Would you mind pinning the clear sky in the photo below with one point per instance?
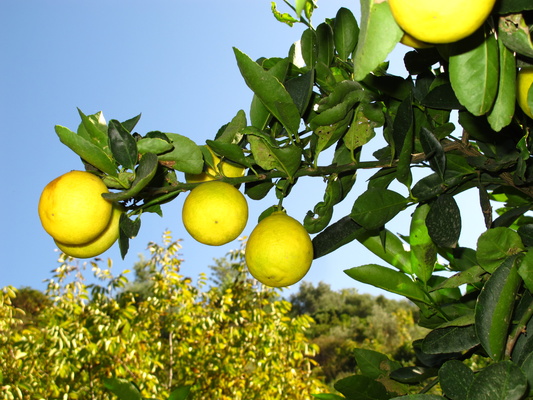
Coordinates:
(170, 60)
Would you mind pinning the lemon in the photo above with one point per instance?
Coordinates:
(102, 242)
(410, 41)
(223, 168)
(279, 251)
(524, 80)
(215, 213)
(440, 21)
(72, 209)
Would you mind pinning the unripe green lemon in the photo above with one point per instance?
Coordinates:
(215, 213)
(72, 209)
(279, 251)
(102, 242)
(524, 80)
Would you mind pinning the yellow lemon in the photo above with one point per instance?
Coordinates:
(440, 21)
(223, 168)
(72, 209)
(215, 213)
(279, 251)
(410, 41)
(102, 242)
(524, 80)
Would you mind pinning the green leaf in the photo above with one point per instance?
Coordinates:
(444, 221)
(325, 43)
(270, 91)
(514, 33)
(450, 340)
(181, 393)
(474, 73)
(470, 276)
(387, 246)
(231, 132)
(282, 17)
(494, 308)
(153, 145)
(419, 397)
(433, 151)
(87, 150)
(94, 128)
(526, 271)
(373, 364)
(361, 130)
(301, 89)
(328, 396)
(496, 245)
(455, 379)
(389, 280)
(345, 33)
(379, 35)
(502, 112)
(309, 47)
(122, 388)
(186, 155)
(423, 250)
(128, 230)
(359, 387)
(229, 151)
(143, 175)
(268, 157)
(375, 207)
(527, 369)
(123, 145)
(510, 6)
(501, 381)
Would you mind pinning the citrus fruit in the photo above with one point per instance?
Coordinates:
(279, 251)
(223, 168)
(72, 209)
(524, 80)
(440, 21)
(215, 213)
(410, 41)
(102, 242)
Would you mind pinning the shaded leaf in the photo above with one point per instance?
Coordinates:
(374, 364)
(503, 380)
(122, 388)
(122, 144)
(360, 387)
(334, 236)
(455, 379)
(444, 221)
(375, 207)
(450, 340)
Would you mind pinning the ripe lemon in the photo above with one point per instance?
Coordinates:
(524, 80)
(440, 21)
(215, 213)
(72, 209)
(223, 168)
(102, 242)
(410, 41)
(279, 251)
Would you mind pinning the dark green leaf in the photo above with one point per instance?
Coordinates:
(474, 73)
(412, 374)
(374, 364)
(500, 381)
(130, 124)
(494, 308)
(143, 175)
(433, 151)
(496, 245)
(450, 340)
(359, 387)
(379, 35)
(444, 221)
(128, 230)
(87, 150)
(325, 43)
(527, 369)
(419, 397)
(186, 155)
(514, 33)
(232, 152)
(510, 6)
(270, 91)
(345, 33)
(375, 207)
(300, 89)
(526, 271)
(309, 47)
(123, 145)
(334, 236)
(455, 379)
(389, 280)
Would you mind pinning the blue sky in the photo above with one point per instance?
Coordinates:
(173, 62)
